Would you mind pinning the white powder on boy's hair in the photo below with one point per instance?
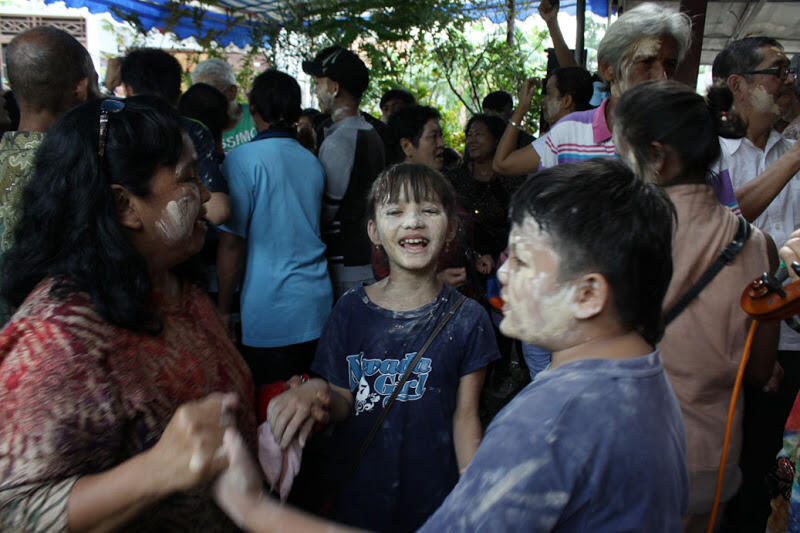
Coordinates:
(763, 102)
(179, 216)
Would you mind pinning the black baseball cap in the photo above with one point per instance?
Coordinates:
(342, 66)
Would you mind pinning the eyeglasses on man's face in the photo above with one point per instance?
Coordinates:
(781, 72)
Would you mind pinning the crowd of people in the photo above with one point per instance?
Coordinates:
(208, 301)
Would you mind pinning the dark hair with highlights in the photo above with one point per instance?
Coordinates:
(601, 218)
(417, 182)
(69, 229)
(671, 113)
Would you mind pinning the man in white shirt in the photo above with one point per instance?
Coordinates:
(763, 169)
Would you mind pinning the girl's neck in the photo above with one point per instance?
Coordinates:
(405, 291)
(482, 170)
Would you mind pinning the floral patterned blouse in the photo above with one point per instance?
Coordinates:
(17, 154)
(79, 396)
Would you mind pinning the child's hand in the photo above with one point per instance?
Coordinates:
(240, 482)
(455, 277)
(294, 412)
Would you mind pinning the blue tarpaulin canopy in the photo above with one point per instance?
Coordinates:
(232, 20)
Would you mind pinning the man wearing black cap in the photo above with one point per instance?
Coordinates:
(352, 155)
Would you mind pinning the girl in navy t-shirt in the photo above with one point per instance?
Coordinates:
(432, 430)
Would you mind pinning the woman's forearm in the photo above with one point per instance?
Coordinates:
(106, 501)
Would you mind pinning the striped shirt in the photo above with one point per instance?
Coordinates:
(576, 137)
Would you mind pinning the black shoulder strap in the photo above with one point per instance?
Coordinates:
(726, 257)
(406, 375)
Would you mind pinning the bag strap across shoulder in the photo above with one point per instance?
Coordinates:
(406, 375)
(725, 257)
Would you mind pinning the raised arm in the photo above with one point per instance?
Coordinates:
(548, 10)
(507, 159)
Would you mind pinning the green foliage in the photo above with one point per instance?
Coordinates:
(453, 69)
(433, 48)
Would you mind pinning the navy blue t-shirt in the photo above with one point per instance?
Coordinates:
(410, 467)
(593, 445)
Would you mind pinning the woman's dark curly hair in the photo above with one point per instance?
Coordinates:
(69, 229)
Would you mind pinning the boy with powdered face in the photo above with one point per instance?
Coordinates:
(596, 441)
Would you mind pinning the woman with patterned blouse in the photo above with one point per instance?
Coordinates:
(113, 367)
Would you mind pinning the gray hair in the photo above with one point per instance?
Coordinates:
(214, 71)
(645, 20)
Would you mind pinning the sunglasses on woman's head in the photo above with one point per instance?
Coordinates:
(107, 107)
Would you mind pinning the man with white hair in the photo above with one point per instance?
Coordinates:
(219, 74)
(646, 43)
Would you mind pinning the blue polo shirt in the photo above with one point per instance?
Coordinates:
(276, 188)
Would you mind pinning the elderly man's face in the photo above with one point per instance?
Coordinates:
(650, 58)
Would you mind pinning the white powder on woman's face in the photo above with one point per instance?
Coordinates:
(179, 216)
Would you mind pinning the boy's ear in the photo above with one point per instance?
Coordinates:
(127, 215)
(372, 231)
(593, 295)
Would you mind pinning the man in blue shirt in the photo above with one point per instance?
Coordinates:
(276, 189)
(596, 441)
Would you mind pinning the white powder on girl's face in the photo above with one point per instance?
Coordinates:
(179, 216)
(763, 102)
(541, 310)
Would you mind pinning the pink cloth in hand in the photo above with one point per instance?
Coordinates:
(280, 466)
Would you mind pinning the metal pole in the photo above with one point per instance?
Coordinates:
(688, 69)
(580, 18)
